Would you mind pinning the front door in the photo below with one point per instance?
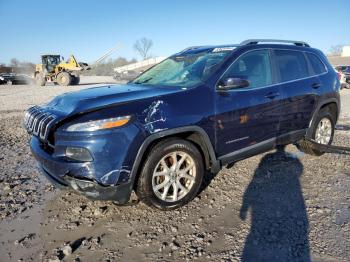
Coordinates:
(248, 115)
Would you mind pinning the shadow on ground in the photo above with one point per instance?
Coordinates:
(279, 223)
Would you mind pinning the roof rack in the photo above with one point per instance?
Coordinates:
(214, 46)
(256, 41)
(190, 48)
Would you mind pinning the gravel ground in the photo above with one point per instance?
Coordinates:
(278, 206)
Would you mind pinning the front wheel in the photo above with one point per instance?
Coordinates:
(322, 131)
(171, 175)
(64, 79)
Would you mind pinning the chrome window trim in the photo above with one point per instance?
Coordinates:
(325, 67)
(246, 52)
(279, 83)
(284, 49)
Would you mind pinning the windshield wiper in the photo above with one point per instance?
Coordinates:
(144, 81)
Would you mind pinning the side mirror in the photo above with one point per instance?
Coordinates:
(231, 83)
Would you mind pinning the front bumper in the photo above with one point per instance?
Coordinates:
(107, 177)
(90, 189)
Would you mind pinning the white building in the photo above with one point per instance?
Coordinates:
(343, 59)
(346, 51)
(139, 65)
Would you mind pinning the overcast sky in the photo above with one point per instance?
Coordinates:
(90, 28)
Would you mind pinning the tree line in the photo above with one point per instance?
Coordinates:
(142, 47)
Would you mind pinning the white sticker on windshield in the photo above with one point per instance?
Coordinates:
(221, 49)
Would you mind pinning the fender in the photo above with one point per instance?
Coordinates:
(215, 162)
(324, 102)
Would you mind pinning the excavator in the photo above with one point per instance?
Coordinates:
(54, 69)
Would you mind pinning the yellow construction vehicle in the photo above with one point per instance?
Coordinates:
(54, 69)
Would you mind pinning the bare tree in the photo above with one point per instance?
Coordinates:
(14, 62)
(143, 46)
(335, 50)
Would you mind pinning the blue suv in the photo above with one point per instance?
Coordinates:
(197, 111)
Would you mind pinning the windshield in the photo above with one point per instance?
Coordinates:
(51, 60)
(185, 69)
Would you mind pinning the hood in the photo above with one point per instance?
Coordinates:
(98, 97)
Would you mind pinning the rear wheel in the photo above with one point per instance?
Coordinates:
(40, 79)
(322, 131)
(171, 175)
(64, 79)
(75, 80)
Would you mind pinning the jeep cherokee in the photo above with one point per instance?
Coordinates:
(199, 110)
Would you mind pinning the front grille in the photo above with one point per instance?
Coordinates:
(38, 122)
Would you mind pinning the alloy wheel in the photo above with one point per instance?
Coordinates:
(324, 131)
(174, 176)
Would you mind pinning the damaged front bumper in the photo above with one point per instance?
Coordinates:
(106, 177)
(90, 189)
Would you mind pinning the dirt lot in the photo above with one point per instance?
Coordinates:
(280, 206)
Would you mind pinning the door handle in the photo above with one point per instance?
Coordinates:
(272, 95)
(316, 85)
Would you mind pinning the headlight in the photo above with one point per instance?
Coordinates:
(99, 124)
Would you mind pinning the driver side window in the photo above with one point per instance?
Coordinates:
(254, 67)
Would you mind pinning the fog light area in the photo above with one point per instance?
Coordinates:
(79, 154)
(82, 185)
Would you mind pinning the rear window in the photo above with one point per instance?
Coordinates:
(317, 65)
(291, 64)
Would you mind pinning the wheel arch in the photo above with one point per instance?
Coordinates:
(334, 106)
(194, 134)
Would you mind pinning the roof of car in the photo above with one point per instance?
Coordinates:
(249, 42)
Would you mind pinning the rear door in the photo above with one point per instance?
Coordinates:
(299, 88)
(249, 115)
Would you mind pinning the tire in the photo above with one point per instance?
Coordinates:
(146, 184)
(306, 146)
(64, 79)
(40, 80)
(75, 80)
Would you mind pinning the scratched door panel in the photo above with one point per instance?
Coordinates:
(246, 117)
